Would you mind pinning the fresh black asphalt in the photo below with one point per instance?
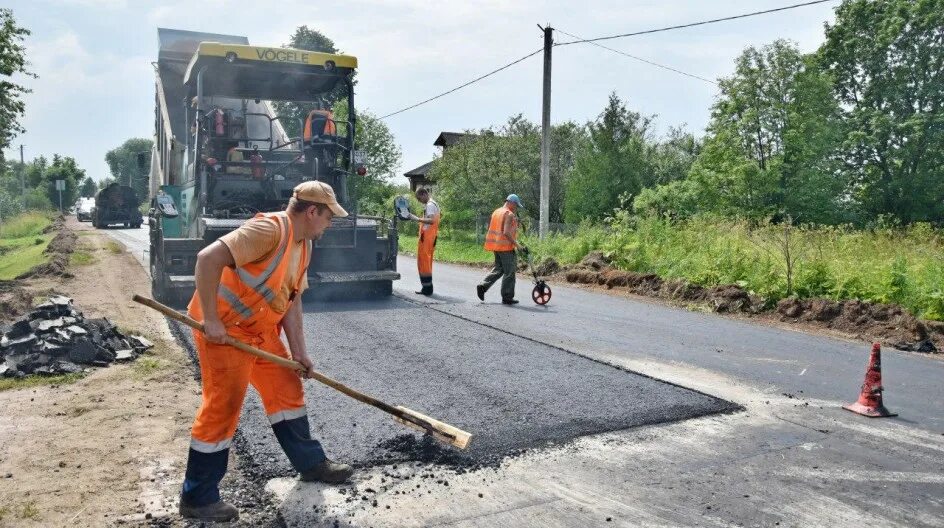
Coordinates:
(511, 393)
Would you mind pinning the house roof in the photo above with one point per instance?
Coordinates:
(422, 170)
(448, 139)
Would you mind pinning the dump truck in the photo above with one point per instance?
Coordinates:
(222, 155)
(116, 204)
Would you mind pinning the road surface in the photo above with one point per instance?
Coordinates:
(570, 435)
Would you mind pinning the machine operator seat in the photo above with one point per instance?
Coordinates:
(321, 144)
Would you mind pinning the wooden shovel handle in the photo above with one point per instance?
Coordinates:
(249, 349)
(193, 323)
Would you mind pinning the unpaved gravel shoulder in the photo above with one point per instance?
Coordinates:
(110, 448)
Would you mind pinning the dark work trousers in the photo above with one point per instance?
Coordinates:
(506, 263)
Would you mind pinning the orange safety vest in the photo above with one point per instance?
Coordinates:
(329, 128)
(246, 292)
(495, 239)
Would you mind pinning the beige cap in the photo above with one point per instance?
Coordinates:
(319, 192)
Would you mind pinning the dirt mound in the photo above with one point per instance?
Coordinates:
(548, 266)
(886, 322)
(889, 323)
(55, 226)
(15, 300)
(594, 269)
(582, 276)
(595, 260)
(683, 291)
(58, 250)
(730, 298)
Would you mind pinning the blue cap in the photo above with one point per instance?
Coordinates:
(513, 198)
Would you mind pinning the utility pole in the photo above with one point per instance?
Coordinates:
(22, 177)
(546, 135)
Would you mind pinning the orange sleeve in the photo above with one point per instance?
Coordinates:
(253, 241)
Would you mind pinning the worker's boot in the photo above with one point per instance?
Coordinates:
(509, 301)
(218, 511)
(425, 290)
(480, 291)
(329, 472)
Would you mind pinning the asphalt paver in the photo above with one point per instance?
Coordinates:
(511, 393)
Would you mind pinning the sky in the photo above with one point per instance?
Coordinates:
(96, 83)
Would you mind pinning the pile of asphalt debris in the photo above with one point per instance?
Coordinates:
(55, 338)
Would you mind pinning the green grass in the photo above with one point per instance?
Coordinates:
(454, 246)
(146, 367)
(902, 266)
(35, 381)
(19, 255)
(463, 247)
(115, 247)
(22, 243)
(81, 258)
(24, 225)
(29, 511)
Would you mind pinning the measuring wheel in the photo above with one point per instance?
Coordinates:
(541, 293)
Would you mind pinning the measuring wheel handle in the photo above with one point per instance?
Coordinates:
(541, 294)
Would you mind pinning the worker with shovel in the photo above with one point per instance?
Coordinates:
(429, 231)
(502, 239)
(248, 287)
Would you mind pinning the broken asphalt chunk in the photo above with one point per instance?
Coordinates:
(83, 351)
(139, 342)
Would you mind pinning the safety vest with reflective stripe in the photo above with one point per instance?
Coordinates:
(495, 239)
(330, 128)
(246, 292)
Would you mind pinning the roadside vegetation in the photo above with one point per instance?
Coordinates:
(902, 265)
(820, 175)
(35, 381)
(22, 243)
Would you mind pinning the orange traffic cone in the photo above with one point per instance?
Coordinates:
(870, 398)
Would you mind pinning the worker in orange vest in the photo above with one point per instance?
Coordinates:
(249, 285)
(502, 239)
(319, 123)
(429, 232)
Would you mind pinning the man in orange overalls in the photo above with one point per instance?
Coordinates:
(249, 285)
(502, 239)
(429, 231)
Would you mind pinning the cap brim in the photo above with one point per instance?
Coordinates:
(338, 211)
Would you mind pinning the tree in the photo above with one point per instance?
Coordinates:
(88, 188)
(12, 62)
(474, 176)
(123, 165)
(382, 155)
(771, 146)
(567, 140)
(63, 168)
(614, 163)
(306, 38)
(36, 171)
(887, 60)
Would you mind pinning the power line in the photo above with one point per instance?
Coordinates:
(473, 81)
(701, 23)
(656, 64)
(593, 40)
